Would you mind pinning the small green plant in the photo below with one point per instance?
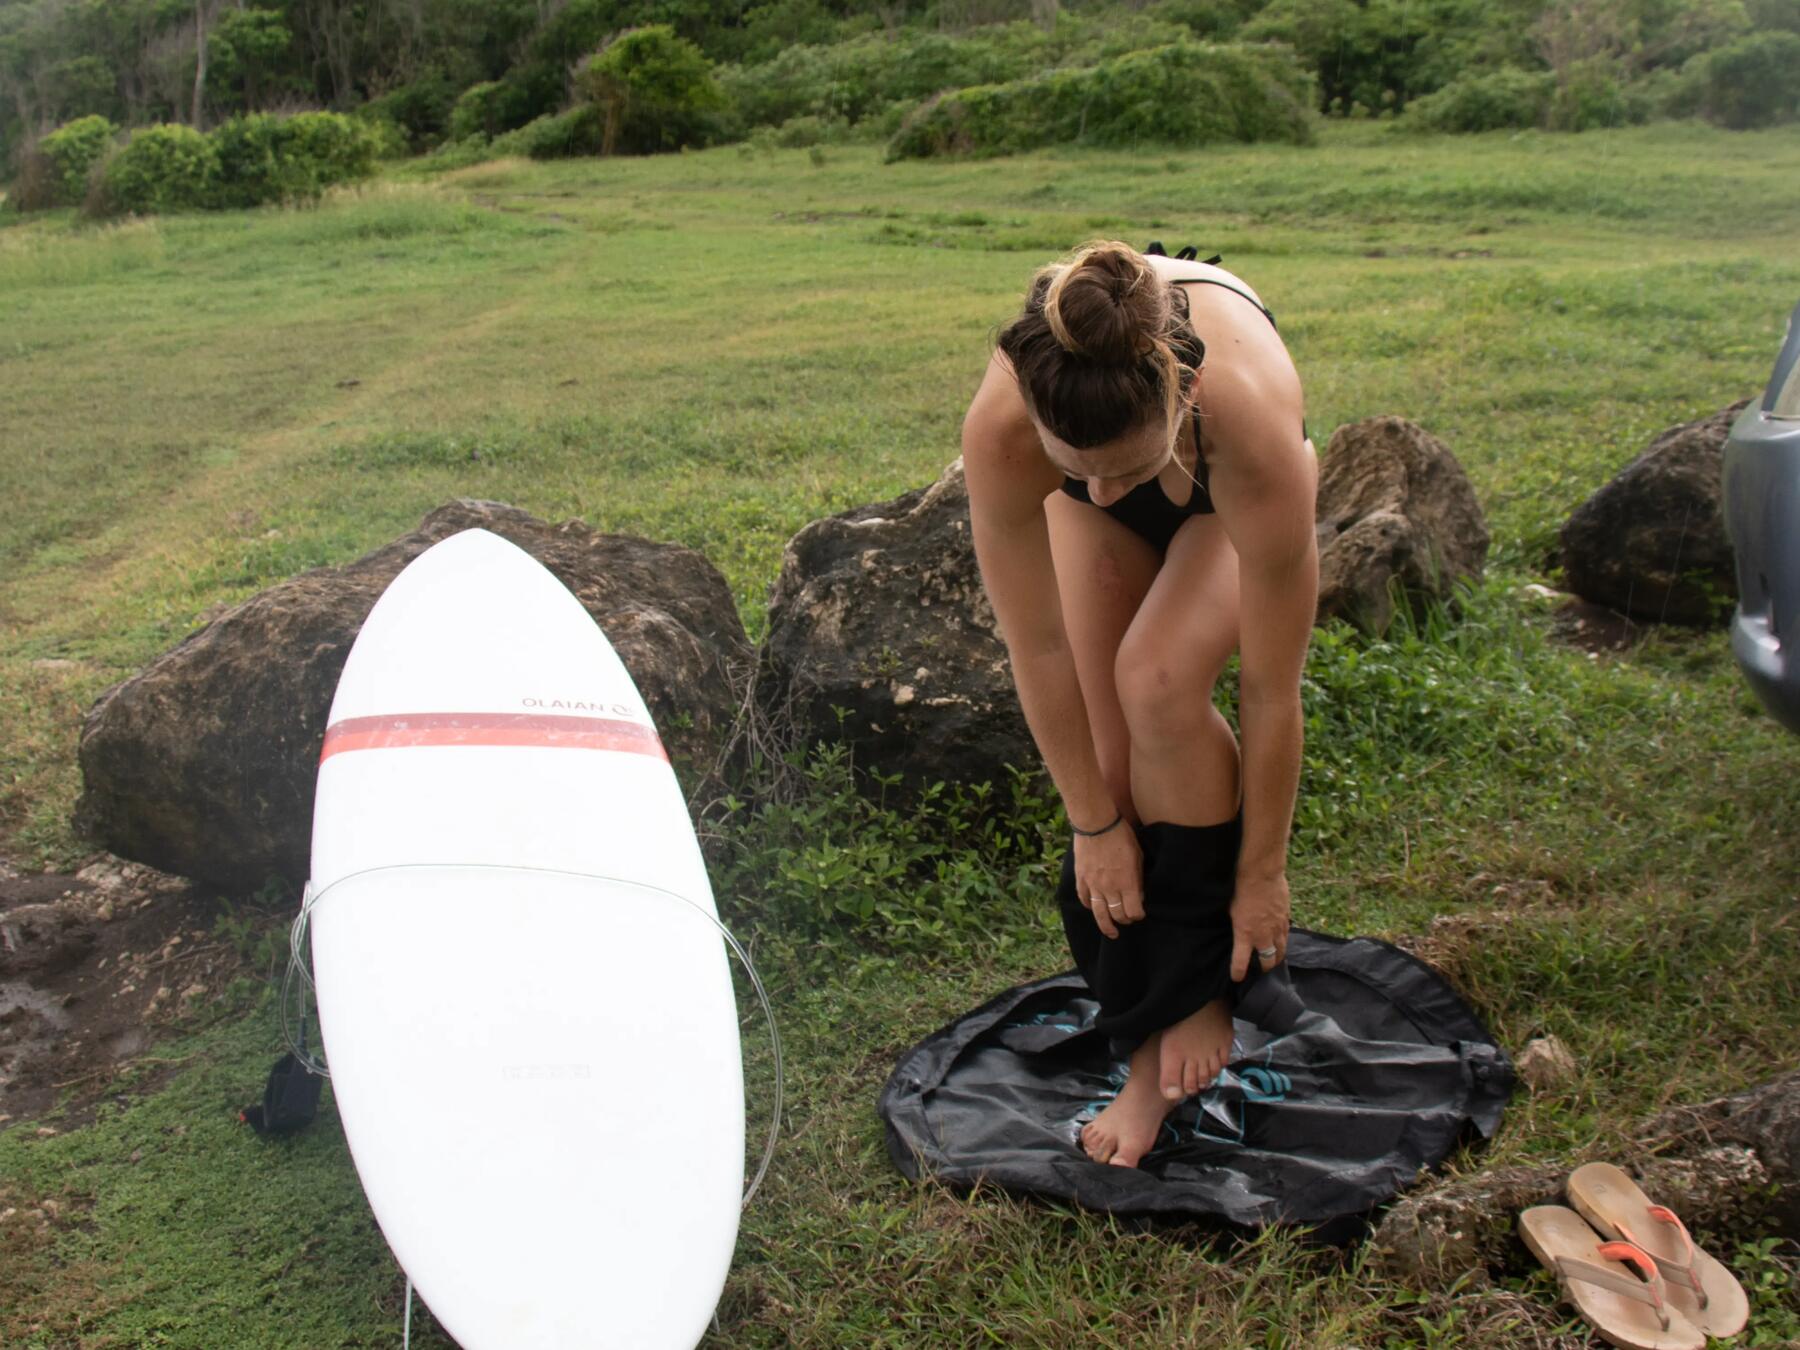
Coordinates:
(1770, 1271)
(947, 868)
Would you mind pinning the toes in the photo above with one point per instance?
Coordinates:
(1100, 1147)
(1192, 1078)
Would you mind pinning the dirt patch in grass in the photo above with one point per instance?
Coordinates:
(95, 968)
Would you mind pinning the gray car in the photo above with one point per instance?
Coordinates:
(1762, 514)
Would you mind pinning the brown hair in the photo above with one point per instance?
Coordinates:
(1102, 345)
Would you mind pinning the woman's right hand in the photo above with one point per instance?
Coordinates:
(1109, 877)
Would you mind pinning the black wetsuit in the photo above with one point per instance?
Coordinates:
(1146, 510)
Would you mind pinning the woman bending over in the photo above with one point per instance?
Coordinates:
(1141, 493)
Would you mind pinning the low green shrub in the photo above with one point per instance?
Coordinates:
(389, 138)
(161, 168)
(1497, 101)
(264, 158)
(247, 161)
(1754, 82)
(1591, 95)
(862, 78)
(73, 150)
(576, 131)
(486, 109)
(1185, 93)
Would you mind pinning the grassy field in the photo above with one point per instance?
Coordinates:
(715, 349)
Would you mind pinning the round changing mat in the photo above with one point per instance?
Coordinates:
(1354, 1067)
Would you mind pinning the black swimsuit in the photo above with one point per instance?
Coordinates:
(1146, 510)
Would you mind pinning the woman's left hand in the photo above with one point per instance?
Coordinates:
(1259, 921)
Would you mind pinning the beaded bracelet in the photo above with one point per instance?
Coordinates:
(1089, 834)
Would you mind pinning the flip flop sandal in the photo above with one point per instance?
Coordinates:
(1628, 1309)
(1700, 1287)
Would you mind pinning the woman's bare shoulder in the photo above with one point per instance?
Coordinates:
(1180, 269)
(1003, 460)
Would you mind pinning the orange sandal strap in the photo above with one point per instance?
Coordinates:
(1679, 1271)
(1647, 1288)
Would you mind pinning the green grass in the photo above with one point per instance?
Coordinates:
(717, 348)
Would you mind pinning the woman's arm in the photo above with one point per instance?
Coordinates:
(1008, 478)
(1265, 484)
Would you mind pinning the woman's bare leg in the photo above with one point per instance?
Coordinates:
(1184, 758)
(1103, 572)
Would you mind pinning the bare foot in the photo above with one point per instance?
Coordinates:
(1193, 1051)
(1125, 1131)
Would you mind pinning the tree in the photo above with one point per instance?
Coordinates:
(654, 90)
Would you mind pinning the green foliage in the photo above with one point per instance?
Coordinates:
(878, 75)
(953, 870)
(263, 158)
(245, 47)
(485, 109)
(1592, 94)
(247, 161)
(1186, 93)
(653, 90)
(1774, 15)
(1380, 54)
(1502, 99)
(1755, 82)
(575, 131)
(420, 109)
(161, 169)
(73, 150)
(1216, 20)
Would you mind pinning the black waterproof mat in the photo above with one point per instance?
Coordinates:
(1354, 1067)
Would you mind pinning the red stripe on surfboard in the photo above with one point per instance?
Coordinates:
(405, 730)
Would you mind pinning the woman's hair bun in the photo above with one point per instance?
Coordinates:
(1106, 303)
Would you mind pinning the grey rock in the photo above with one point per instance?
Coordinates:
(881, 611)
(1764, 1119)
(1651, 543)
(1469, 1225)
(203, 764)
(1396, 512)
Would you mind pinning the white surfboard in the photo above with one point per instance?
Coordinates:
(531, 1031)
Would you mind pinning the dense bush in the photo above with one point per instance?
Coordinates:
(1187, 93)
(577, 131)
(1497, 101)
(487, 109)
(654, 90)
(1593, 94)
(161, 168)
(420, 109)
(855, 80)
(1378, 55)
(1755, 82)
(73, 150)
(247, 161)
(263, 158)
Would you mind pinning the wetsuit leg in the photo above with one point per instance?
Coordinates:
(1175, 960)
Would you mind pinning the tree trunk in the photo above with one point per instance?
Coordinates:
(199, 65)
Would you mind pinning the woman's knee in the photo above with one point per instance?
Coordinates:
(1165, 698)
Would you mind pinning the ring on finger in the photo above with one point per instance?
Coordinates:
(1267, 953)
